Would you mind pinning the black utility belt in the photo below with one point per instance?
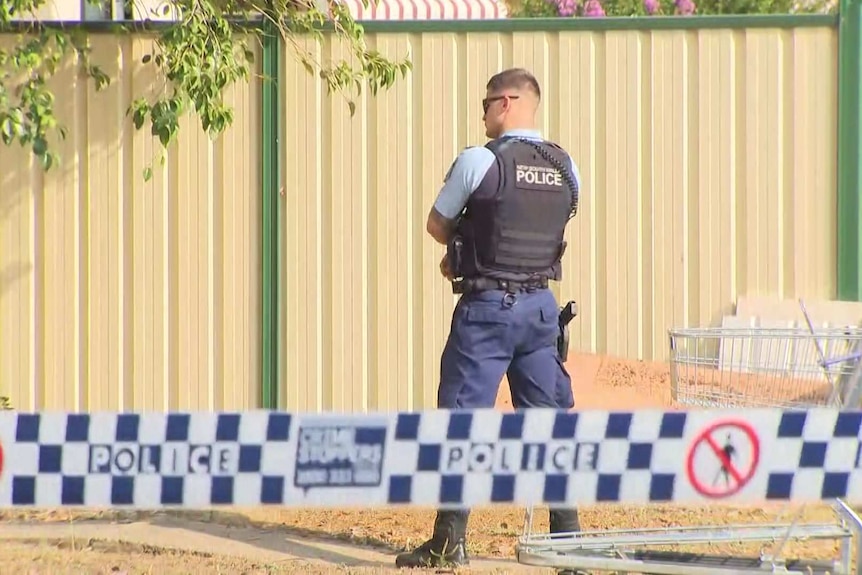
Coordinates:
(472, 285)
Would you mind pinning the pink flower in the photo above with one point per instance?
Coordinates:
(566, 8)
(684, 7)
(593, 8)
(650, 6)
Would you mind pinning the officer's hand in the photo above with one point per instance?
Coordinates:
(444, 268)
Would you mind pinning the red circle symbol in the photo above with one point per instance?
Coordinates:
(736, 477)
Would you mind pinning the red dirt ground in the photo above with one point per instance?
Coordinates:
(601, 382)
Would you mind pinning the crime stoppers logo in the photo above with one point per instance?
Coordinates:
(339, 453)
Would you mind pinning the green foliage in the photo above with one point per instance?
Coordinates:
(205, 50)
(628, 8)
(533, 9)
(5, 403)
(748, 7)
(26, 104)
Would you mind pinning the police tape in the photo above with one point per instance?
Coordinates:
(439, 458)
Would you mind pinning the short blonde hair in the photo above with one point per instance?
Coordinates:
(518, 78)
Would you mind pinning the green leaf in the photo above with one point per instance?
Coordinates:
(40, 146)
(47, 160)
(198, 56)
(148, 174)
(165, 136)
(9, 130)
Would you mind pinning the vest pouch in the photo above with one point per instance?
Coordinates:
(526, 252)
(455, 256)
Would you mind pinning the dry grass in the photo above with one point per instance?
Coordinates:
(66, 557)
(491, 532)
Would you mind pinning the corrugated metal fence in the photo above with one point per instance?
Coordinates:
(708, 158)
(117, 293)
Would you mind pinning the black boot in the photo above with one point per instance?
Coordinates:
(447, 546)
(565, 521)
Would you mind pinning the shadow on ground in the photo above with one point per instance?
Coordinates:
(222, 534)
(301, 543)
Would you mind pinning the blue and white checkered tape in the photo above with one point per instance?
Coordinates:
(437, 458)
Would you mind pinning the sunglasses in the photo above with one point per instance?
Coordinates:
(486, 102)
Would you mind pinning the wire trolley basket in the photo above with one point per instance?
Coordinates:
(767, 367)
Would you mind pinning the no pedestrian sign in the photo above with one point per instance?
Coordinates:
(722, 458)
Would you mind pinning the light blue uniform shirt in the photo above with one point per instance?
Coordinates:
(468, 170)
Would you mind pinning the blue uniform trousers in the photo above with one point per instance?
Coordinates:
(495, 333)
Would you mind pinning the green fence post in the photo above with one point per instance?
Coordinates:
(849, 151)
(270, 151)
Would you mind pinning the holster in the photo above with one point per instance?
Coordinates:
(454, 255)
(568, 312)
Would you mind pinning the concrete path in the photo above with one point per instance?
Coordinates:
(246, 542)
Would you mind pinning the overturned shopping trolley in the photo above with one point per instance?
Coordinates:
(726, 367)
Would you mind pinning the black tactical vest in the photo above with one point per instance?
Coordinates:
(513, 225)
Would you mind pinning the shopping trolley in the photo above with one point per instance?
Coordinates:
(789, 367)
(733, 367)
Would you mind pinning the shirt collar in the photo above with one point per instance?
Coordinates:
(522, 133)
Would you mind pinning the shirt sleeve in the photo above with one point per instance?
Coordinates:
(464, 176)
(576, 173)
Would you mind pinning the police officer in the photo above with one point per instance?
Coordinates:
(502, 213)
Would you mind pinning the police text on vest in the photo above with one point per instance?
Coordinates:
(538, 175)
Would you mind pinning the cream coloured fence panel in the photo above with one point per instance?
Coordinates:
(116, 293)
(708, 161)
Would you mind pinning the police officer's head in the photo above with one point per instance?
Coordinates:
(511, 101)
